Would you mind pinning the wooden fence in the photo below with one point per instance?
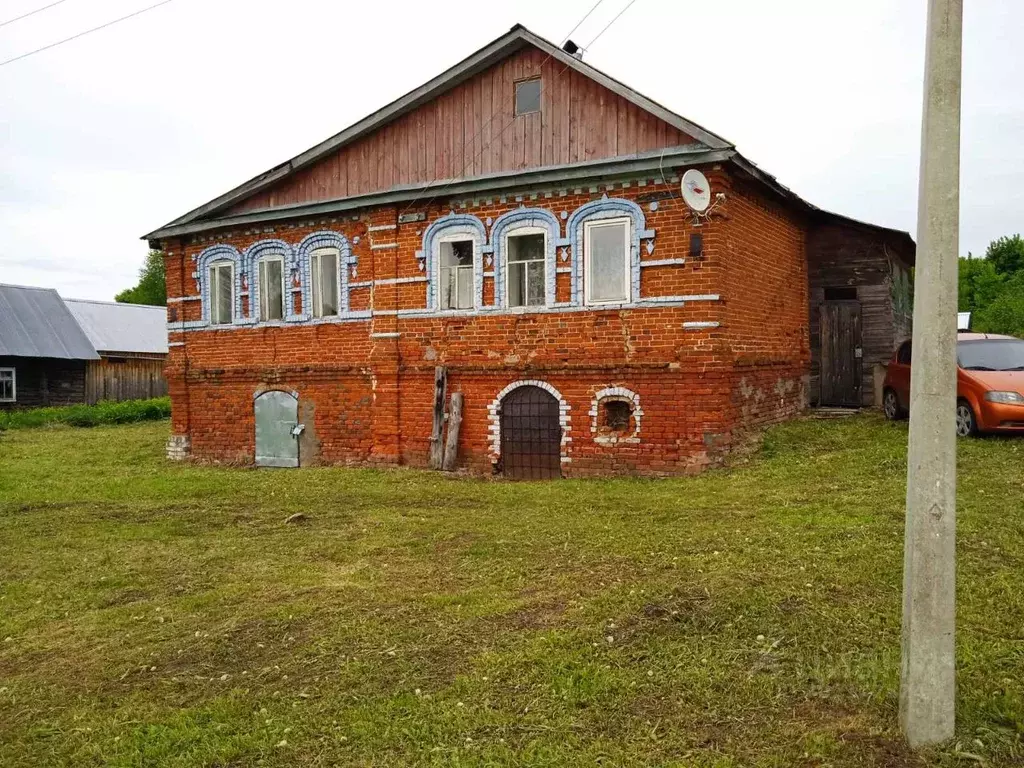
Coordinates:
(116, 377)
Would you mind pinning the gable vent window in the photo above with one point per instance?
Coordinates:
(528, 96)
(457, 274)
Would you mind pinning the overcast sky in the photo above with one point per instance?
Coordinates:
(107, 137)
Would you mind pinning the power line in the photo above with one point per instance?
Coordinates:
(512, 121)
(82, 34)
(491, 118)
(30, 13)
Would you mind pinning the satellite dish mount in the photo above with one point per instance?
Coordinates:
(696, 191)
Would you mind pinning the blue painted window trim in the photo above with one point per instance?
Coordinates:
(209, 256)
(453, 225)
(505, 226)
(346, 260)
(607, 208)
(250, 260)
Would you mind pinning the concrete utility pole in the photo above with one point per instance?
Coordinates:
(928, 680)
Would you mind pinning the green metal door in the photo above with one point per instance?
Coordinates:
(277, 429)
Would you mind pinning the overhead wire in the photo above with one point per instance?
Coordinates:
(83, 34)
(30, 13)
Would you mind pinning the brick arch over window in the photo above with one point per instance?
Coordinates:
(620, 394)
(250, 259)
(507, 224)
(607, 208)
(303, 260)
(207, 257)
(494, 416)
(452, 224)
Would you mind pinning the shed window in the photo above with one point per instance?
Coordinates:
(7, 389)
(528, 96)
(844, 293)
(324, 269)
(525, 269)
(606, 272)
(457, 274)
(222, 292)
(271, 273)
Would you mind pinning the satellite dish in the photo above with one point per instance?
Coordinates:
(696, 190)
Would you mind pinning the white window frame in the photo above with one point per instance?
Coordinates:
(14, 386)
(316, 290)
(588, 226)
(518, 232)
(215, 294)
(456, 238)
(265, 294)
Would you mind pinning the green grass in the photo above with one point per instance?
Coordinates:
(106, 412)
(164, 614)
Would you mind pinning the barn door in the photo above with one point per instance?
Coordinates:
(531, 436)
(277, 442)
(841, 354)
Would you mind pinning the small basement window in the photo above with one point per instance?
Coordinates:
(528, 96)
(7, 388)
(616, 415)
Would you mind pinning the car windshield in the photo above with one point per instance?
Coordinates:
(991, 355)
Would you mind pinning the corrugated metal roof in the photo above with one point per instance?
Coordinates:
(114, 327)
(35, 322)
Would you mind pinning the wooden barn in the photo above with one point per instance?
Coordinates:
(43, 350)
(131, 340)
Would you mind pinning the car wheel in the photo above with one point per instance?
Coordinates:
(966, 424)
(891, 406)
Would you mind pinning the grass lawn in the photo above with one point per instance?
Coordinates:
(164, 614)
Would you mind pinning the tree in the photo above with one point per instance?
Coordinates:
(1006, 312)
(979, 283)
(152, 287)
(1006, 255)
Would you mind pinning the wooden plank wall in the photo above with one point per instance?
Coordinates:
(124, 378)
(472, 130)
(42, 382)
(842, 256)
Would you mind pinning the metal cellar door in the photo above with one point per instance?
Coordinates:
(531, 436)
(277, 441)
(841, 354)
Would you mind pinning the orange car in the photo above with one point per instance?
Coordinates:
(989, 384)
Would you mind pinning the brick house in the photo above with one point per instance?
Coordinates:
(517, 220)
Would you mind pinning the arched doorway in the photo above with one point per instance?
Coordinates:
(531, 436)
(277, 441)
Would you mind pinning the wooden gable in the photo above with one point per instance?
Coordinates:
(471, 130)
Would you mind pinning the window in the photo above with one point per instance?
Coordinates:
(528, 96)
(841, 294)
(903, 355)
(617, 414)
(7, 390)
(606, 273)
(524, 269)
(271, 276)
(324, 269)
(222, 292)
(457, 274)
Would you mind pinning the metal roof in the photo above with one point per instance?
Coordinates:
(116, 327)
(35, 322)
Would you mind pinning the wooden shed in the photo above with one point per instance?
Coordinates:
(861, 305)
(131, 340)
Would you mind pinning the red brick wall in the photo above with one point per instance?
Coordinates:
(367, 396)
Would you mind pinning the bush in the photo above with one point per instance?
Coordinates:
(106, 412)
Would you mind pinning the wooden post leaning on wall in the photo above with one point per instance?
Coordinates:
(451, 446)
(437, 432)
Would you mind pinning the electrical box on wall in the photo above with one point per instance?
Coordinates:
(696, 246)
